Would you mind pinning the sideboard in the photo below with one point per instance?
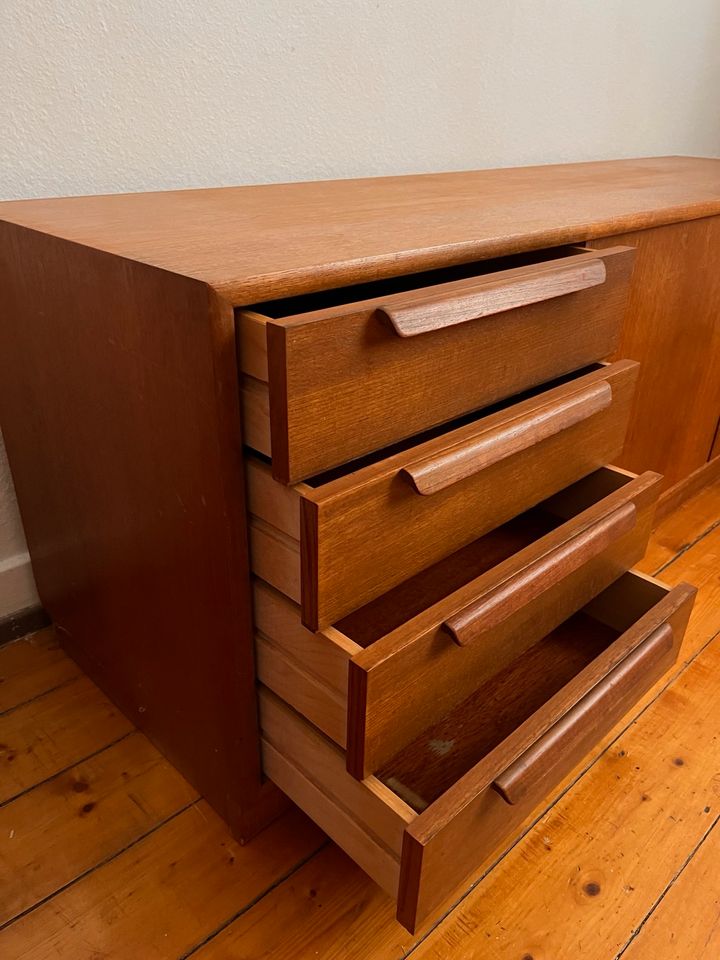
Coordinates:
(336, 487)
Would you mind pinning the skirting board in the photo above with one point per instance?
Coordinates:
(686, 488)
(19, 624)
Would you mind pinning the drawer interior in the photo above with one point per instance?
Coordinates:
(380, 617)
(443, 753)
(344, 678)
(435, 811)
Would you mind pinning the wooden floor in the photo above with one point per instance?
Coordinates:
(105, 852)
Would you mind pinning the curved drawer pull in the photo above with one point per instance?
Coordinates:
(565, 742)
(490, 445)
(500, 601)
(425, 311)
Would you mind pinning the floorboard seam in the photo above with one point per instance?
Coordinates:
(688, 546)
(673, 880)
(99, 864)
(559, 797)
(75, 763)
(306, 859)
(505, 852)
(544, 812)
(38, 696)
(251, 903)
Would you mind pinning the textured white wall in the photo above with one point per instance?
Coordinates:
(117, 95)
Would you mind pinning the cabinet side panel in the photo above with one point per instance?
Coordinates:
(672, 326)
(119, 406)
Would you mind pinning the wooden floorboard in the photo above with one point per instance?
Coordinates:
(70, 824)
(105, 851)
(381, 937)
(164, 895)
(679, 530)
(686, 919)
(593, 867)
(31, 667)
(52, 732)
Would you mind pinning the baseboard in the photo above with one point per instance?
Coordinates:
(19, 624)
(671, 499)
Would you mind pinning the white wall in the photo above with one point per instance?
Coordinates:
(142, 94)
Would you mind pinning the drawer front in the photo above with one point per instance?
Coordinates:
(447, 843)
(351, 379)
(421, 853)
(351, 539)
(445, 631)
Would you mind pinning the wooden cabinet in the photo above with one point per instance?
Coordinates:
(672, 326)
(420, 616)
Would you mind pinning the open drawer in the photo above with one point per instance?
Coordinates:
(439, 808)
(337, 541)
(330, 377)
(377, 677)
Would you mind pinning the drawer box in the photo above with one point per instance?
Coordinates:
(338, 541)
(333, 376)
(376, 678)
(441, 806)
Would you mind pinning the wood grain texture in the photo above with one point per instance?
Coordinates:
(164, 895)
(419, 313)
(450, 823)
(465, 459)
(343, 826)
(536, 769)
(324, 655)
(419, 655)
(685, 922)
(323, 414)
(679, 530)
(373, 805)
(44, 736)
(275, 557)
(335, 233)
(650, 790)
(329, 907)
(672, 326)
(368, 530)
(439, 847)
(256, 414)
(699, 564)
(593, 887)
(285, 675)
(118, 385)
(405, 634)
(447, 750)
(31, 666)
(502, 600)
(673, 497)
(67, 826)
(715, 450)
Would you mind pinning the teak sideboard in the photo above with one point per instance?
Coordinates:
(316, 479)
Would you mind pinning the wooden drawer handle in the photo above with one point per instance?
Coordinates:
(423, 312)
(500, 601)
(489, 446)
(586, 721)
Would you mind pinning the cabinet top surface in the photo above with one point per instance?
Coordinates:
(258, 242)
